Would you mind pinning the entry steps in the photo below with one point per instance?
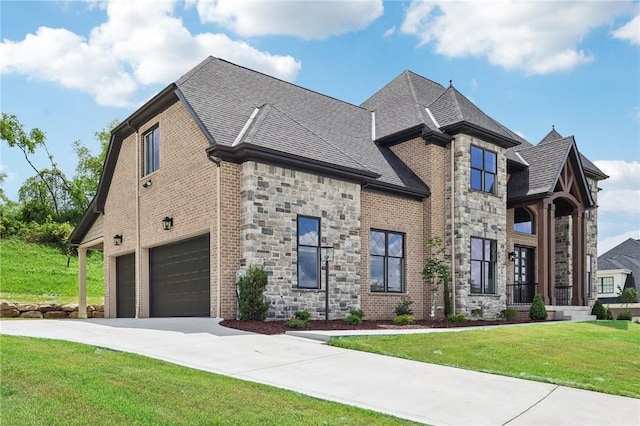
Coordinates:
(573, 313)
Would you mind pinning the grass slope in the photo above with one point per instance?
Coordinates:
(603, 356)
(37, 273)
(54, 382)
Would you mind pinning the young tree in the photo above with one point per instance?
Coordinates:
(436, 272)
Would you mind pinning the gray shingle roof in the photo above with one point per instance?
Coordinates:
(625, 255)
(589, 167)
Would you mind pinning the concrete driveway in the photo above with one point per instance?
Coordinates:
(417, 391)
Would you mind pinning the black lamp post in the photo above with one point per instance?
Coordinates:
(327, 256)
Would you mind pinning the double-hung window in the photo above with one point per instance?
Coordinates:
(386, 270)
(483, 266)
(483, 169)
(308, 252)
(605, 285)
(151, 151)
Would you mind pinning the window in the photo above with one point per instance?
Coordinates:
(483, 169)
(523, 221)
(387, 261)
(605, 285)
(151, 151)
(483, 266)
(308, 252)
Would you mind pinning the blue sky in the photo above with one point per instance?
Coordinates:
(71, 67)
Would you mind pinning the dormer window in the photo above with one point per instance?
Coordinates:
(523, 221)
(483, 169)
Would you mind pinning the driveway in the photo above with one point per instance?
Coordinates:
(417, 391)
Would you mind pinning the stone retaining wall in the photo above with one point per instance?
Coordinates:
(47, 310)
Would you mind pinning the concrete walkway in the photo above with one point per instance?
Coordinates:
(417, 391)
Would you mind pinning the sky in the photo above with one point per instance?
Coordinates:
(69, 68)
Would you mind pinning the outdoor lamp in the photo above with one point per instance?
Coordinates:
(167, 223)
(512, 256)
(327, 253)
(117, 239)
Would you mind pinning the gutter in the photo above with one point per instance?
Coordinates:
(218, 161)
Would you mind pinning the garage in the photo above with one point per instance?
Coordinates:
(179, 279)
(126, 286)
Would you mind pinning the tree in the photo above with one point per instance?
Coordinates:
(626, 296)
(90, 166)
(436, 272)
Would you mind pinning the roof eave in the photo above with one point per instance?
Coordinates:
(485, 134)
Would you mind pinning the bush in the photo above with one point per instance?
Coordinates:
(609, 314)
(477, 313)
(357, 312)
(598, 310)
(297, 323)
(302, 315)
(405, 319)
(352, 319)
(404, 307)
(509, 314)
(49, 233)
(624, 316)
(537, 311)
(456, 317)
(251, 300)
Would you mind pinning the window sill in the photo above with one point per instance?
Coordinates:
(386, 293)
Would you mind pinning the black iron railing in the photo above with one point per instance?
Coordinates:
(563, 295)
(521, 294)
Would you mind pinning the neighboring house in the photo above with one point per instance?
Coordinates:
(229, 168)
(618, 268)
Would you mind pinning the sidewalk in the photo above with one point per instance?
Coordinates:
(417, 391)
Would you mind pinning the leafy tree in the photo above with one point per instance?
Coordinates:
(89, 166)
(436, 272)
(626, 296)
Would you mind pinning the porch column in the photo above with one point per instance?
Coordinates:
(546, 234)
(579, 258)
(82, 282)
(551, 265)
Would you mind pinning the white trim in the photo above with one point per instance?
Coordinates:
(432, 118)
(246, 126)
(522, 159)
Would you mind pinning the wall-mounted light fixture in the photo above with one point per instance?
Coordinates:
(147, 184)
(117, 239)
(167, 223)
(512, 256)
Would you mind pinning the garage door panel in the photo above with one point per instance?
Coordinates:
(126, 286)
(180, 278)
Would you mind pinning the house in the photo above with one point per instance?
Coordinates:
(618, 268)
(229, 168)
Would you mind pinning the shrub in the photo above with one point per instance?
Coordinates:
(357, 312)
(404, 319)
(251, 302)
(404, 307)
(609, 314)
(297, 323)
(456, 317)
(537, 311)
(302, 315)
(509, 314)
(352, 319)
(624, 316)
(598, 310)
(477, 313)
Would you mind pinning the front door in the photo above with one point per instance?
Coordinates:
(525, 287)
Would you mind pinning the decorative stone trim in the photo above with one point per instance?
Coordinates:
(47, 310)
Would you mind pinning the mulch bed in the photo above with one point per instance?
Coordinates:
(279, 327)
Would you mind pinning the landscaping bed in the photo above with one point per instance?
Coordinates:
(280, 327)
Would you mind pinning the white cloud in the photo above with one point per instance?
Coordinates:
(391, 31)
(474, 84)
(608, 243)
(621, 192)
(137, 45)
(629, 32)
(305, 19)
(10, 176)
(536, 37)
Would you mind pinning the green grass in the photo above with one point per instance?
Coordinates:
(37, 273)
(54, 382)
(602, 356)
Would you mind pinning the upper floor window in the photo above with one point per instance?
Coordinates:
(523, 221)
(386, 261)
(483, 169)
(483, 266)
(605, 285)
(151, 150)
(308, 252)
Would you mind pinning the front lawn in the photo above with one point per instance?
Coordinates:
(602, 356)
(54, 382)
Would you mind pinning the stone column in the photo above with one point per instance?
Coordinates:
(82, 282)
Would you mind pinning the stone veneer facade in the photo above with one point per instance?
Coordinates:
(271, 198)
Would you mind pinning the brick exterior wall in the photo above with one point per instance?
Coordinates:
(391, 213)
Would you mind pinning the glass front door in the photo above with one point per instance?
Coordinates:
(524, 285)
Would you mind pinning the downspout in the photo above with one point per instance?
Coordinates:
(138, 264)
(453, 239)
(218, 161)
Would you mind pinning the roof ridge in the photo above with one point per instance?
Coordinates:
(420, 109)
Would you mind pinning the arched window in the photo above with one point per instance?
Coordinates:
(523, 221)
